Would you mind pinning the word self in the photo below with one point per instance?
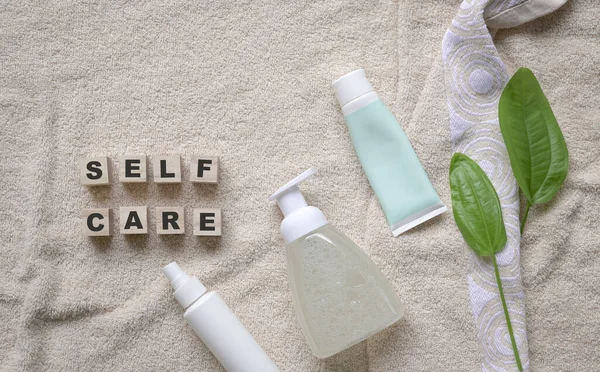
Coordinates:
(94, 171)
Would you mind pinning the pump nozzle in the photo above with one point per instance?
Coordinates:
(187, 290)
(300, 219)
(289, 198)
(175, 274)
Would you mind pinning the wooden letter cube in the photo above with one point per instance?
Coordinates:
(204, 169)
(96, 222)
(167, 169)
(94, 171)
(207, 221)
(133, 220)
(132, 168)
(170, 220)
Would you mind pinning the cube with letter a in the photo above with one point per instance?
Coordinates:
(133, 220)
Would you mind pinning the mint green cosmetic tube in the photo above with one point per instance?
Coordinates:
(395, 173)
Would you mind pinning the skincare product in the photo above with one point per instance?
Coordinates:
(217, 326)
(387, 157)
(340, 296)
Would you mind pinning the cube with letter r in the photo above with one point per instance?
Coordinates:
(170, 220)
(94, 171)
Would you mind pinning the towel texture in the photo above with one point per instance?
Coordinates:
(250, 82)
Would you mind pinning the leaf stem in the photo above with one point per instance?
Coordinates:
(509, 325)
(527, 206)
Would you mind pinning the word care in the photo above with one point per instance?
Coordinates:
(134, 220)
(94, 171)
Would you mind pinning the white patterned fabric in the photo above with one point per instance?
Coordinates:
(511, 13)
(475, 77)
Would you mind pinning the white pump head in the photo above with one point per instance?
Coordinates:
(300, 219)
(288, 197)
(187, 290)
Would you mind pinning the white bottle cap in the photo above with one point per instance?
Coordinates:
(217, 326)
(300, 219)
(351, 86)
(187, 290)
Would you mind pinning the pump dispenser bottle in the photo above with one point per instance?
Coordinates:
(340, 296)
(216, 325)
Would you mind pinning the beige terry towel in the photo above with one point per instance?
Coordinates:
(250, 82)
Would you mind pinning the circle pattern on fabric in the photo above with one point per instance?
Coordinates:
(475, 77)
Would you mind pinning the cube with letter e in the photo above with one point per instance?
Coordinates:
(207, 221)
(132, 168)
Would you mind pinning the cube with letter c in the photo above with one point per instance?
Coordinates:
(96, 222)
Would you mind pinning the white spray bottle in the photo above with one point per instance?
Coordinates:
(340, 296)
(216, 325)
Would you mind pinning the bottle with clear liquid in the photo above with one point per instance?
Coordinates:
(340, 296)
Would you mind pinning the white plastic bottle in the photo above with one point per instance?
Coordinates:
(340, 296)
(217, 326)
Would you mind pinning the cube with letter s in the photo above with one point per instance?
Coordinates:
(94, 171)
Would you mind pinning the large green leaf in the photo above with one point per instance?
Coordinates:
(536, 146)
(476, 206)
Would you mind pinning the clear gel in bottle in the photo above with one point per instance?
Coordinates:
(340, 296)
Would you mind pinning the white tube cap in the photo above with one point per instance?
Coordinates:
(187, 290)
(351, 86)
(300, 219)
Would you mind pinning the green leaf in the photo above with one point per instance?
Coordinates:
(536, 146)
(478, 215)
(476, 206)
